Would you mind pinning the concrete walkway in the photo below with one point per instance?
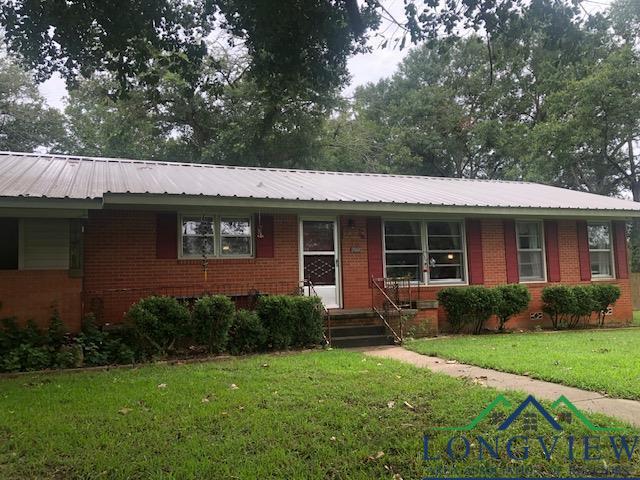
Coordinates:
(626, 410)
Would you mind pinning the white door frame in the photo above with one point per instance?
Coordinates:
(336, 253)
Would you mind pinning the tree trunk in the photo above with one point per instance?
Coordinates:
(635, 224)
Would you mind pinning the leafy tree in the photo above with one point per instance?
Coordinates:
(26, 123)
(216, 114)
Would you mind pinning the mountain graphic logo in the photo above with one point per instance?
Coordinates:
(531, 402)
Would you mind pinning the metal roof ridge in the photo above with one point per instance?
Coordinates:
(65, 157)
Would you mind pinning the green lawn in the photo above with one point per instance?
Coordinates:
(311, 415)
(604, 361)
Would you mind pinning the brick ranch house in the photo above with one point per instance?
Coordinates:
(96, 234)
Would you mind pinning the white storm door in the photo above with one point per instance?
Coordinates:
(319, 262)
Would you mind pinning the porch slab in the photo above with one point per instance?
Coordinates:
(622, 409)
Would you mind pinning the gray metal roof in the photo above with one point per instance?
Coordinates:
(24, 175)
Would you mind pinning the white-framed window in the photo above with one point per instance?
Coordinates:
(445, 252)
(403, 249)
(235, 237)
(600, 251)
(530, 242)
(431, 252)
(215, 236)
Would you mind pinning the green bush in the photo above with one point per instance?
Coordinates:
(471, 306)
(511, 300)
(604, 295)
(277, 314)
(559, 304)
(103, 348)
(211, 319)
(583, 305)
(309, 321)
(246, 334)
(158, 323)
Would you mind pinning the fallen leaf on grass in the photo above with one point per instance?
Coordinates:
(397, 477)
(333, 439)
(162, 385)
(125, 410)
(233, 386)
(378, 455)
(391, 404)
(265, 365)
(409, 406)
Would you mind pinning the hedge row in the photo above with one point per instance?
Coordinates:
(473, 306)
(158, 326)
(567, 306)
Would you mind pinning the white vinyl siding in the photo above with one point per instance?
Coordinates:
(44, 244)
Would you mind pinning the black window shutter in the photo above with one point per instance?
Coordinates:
(8, 243)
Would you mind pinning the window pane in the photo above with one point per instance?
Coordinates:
(197, 226)
(529, 235)
(445, 259)
(317, 236)
(444, 228)
(197, 246)
(414, 259)
(413, 273)
(235, 227)
(445, 273)
(599, 236)
(402, 228)
(601, 263)
(236, 245)
(530, 264)
(320, 269)
(444, 243)
(403, 242)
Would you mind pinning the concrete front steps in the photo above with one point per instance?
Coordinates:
(357, 328)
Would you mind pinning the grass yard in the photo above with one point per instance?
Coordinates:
(311, 415)
(603, 361)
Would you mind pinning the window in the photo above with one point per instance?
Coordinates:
(530, 251)
(403, 249)
(445, 252)
(211, 235)
(235, 236)
(197, 236)
(600, 250)
(443, 247)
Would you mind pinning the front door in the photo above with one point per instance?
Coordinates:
(319, 262)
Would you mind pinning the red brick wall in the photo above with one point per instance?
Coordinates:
(33, 294)
(121, 264)
(354, 271)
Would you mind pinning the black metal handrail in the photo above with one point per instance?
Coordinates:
(327, 315)
(398, 337)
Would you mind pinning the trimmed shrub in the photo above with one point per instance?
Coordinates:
(559, 304)
(157, 323)
(511, 300)
(309, 319)
(471, 306)
(452, 300)
(277, 314)
(246, 334)
(604, 295)
(103, 348)
(211, 318)
(583, 305)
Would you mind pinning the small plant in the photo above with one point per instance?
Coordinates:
(604, 295)
(583, 305)
(468, 306)
(559, 304)
(211, 318)
(157, 323)
(277, 314)
(246, 334)
(309, 318)
(510, 300)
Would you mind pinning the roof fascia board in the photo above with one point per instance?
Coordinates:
(43, 213)
(50, 203)
(201, 201)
